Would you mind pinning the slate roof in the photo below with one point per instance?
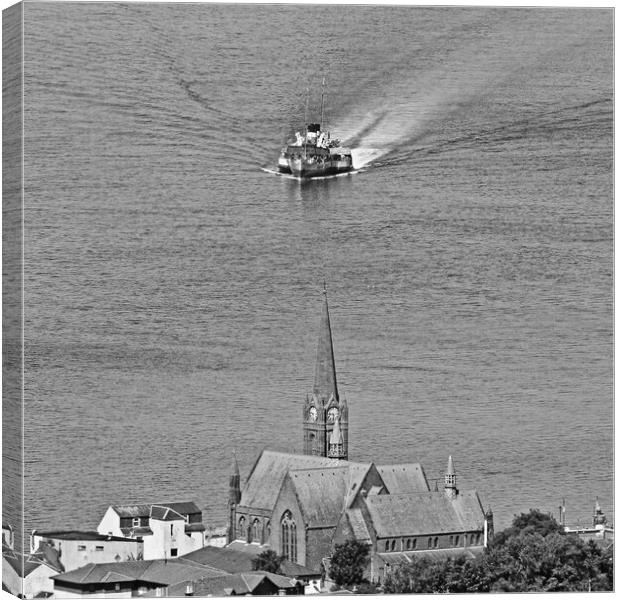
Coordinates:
(239, 561)
(425, 513)
(321, 494)
(237, 584)
(144, 510)
(404, 478)
(154, 571)
(265, 480)
(75, 535)
(165, 513)
(136, 532)
(358, 524)
(23, 565)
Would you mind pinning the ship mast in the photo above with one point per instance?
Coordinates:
(306, 122)
(322, 103)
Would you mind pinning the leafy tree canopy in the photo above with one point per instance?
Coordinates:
(348, 563)
(268, 561)
(533, 555)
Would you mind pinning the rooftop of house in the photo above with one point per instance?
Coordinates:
(234, 560)
(162, 572)
(144, 510)
(23, 565)
(237, 584)
(71, 534)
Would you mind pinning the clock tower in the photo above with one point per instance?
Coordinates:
(324, 410)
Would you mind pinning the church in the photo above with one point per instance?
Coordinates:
(301, 505)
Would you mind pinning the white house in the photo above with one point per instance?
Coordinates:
(78, 548)
(166, 530)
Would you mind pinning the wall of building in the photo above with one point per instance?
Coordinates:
(287, 501)
(167, 537)
(318, 546)
(36, 581)
(110, 523)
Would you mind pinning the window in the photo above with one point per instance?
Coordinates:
(393, 545)
(289, 536)
(408, 544)
(435, 542)
(456, 540)
(99, 548)
(255, 534)
(81, 547)
(171, 528)
(241, 528)
(387, 545)
(117, 587)
(135, 522)
(451, 540)
(174, 552)
(414, 544)
(430, 542)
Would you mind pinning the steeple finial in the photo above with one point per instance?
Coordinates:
(325, 371)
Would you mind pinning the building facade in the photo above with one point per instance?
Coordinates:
(165, 530)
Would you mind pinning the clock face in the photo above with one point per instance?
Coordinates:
(332, 414)
(313, 413)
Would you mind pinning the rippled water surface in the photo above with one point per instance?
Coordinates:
(173, 287)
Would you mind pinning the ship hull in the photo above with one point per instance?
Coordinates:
(306, 169)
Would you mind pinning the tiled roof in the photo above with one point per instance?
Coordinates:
(23, 565)
(239, 561)
(237, 584)
(165, 513)
(403, 478)
(265, 480)
(321, 493)
(190, 527)
(358, 524)
(144, 510)
(425, 513)
(162, 572)
(71, 534)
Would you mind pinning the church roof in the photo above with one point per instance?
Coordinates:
(325, 370)
(321, 494)
(404, 478)
(425, 513)
(358, 524)
(265, 480)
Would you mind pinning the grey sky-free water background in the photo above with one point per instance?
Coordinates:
(172, 287)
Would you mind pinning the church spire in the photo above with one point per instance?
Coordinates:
(325, 370)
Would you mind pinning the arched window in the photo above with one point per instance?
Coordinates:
(408, 544)
(451, 540)
(430, 542)
(288, 530)
(456, 540)
(393, 545)
(435, 542)
(414, 544)
(241, 528)
(268, 530)
(255, 533)
(387, 545)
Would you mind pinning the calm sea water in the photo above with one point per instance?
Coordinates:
(173, 287)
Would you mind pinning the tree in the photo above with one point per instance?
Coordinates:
(348, 562)
(534, 554)
(268, 561)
